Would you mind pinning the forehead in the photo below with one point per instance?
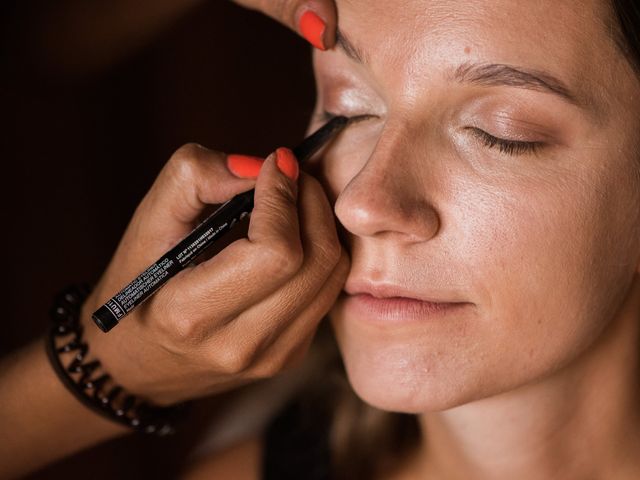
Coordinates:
(408, 41)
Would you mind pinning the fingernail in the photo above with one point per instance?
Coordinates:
(287, 163)
(244, 166)
(312, 28)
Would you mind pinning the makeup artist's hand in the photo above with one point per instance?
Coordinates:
(248, 312)
(315, 20)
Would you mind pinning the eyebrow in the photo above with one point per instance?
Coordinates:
(487, 74)
(353, 52)
(499, 74)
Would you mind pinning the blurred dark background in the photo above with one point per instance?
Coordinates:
(93, 103)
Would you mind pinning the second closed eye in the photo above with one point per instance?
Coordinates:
(509, 147)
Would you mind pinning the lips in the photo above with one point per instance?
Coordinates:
(389, 290)
(392, 302)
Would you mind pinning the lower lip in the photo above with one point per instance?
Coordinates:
(399, 309)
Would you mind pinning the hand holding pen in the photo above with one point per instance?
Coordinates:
(244, 314)
(212, 229)
(198, 335)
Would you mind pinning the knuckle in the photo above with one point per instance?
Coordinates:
(191, 331)
(191, 161)
(187, 330)
(285, 259)
(233, 360)
(179, 326)
(187, 151)
(184, 164)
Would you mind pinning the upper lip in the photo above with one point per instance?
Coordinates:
(389, 290)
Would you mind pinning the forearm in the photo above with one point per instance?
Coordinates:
(40, 421)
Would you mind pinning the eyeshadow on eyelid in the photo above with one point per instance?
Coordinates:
(519, 128)
(345, 101)
(517, 120)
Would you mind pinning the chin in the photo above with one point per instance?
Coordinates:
(403, 380)
(413, 367)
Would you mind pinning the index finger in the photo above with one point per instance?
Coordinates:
(315, 20)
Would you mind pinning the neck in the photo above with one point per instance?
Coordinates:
(581, 422)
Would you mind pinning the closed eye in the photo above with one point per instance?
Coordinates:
(509, 147)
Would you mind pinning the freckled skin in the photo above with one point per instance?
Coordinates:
(545, 246)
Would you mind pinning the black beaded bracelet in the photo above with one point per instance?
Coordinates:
(85, 380)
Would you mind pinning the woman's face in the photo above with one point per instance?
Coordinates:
(529, 247)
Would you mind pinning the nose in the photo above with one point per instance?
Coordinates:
(389, 196)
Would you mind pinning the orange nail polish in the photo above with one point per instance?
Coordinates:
(287, 163)
(312, 28)
(244, 166)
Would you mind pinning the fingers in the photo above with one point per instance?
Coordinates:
(248, 270)
(264, 336)
(314, 20)
(193, 178)
(322, 252)
(317, 22)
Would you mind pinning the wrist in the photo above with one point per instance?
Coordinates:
(85, 378)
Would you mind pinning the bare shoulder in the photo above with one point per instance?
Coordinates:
(241, 461)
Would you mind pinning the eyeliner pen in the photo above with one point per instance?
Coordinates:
(203, 236)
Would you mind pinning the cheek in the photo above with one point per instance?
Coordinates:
(556, 265)
(547, 270)
(534, 259)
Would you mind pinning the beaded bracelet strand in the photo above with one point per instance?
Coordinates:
(88, 382)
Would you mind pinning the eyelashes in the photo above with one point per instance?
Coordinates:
(507, 147)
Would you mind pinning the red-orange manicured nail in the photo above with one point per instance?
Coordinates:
(244, 166)
(312, 28)
(287, 163)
